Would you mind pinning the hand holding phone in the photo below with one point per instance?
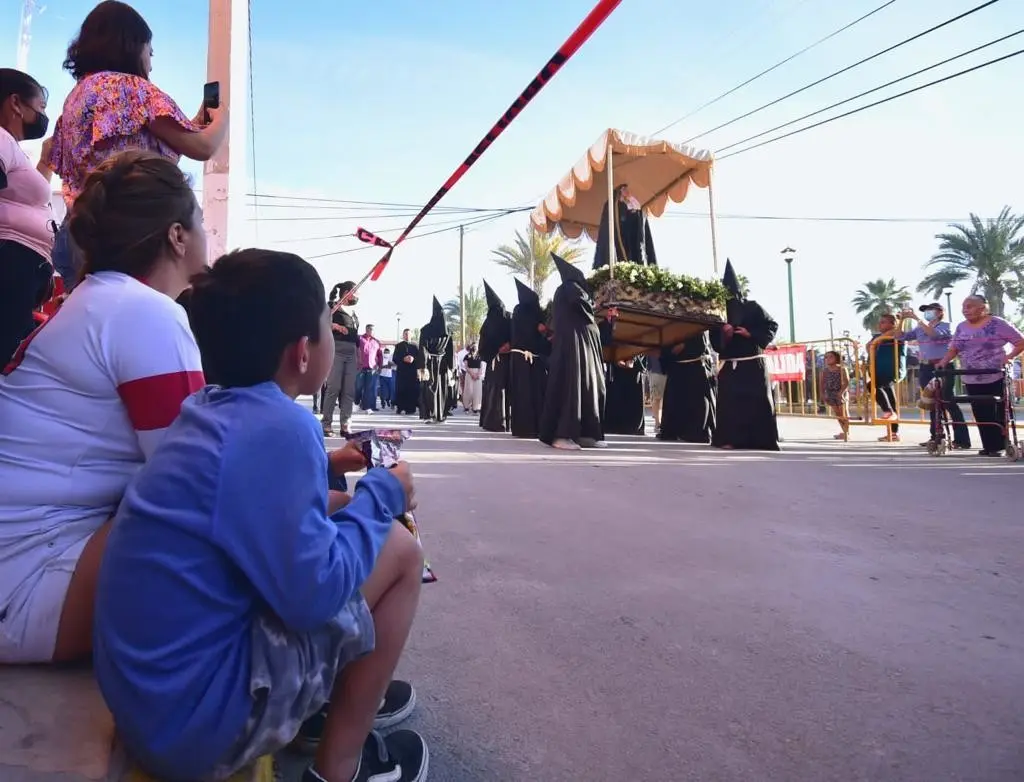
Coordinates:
(211, 99)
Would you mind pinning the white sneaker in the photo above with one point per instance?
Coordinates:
(565, 445)
(590, 442)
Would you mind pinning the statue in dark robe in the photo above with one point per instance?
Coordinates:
(495, 336)
(746, 405)
(529, 355)
(435, 367)
(633, 240)
(575, 395)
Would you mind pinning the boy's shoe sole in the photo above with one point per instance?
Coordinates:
(398, 704)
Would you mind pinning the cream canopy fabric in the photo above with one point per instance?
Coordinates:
(655, 171)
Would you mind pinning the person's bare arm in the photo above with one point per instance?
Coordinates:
(197, 145)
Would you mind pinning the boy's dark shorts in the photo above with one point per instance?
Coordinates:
(292, 678)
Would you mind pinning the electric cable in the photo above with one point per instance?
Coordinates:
(841, 71)
(777, 65)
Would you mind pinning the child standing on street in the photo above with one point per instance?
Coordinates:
(835, 391)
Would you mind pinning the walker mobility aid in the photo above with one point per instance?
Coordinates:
(1008, 425)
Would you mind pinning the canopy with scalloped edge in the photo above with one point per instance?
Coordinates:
(655, 171)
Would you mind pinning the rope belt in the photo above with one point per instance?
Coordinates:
(690, 360)
(735, 361)
(524, 353)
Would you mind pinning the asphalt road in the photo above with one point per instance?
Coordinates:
(658, 611)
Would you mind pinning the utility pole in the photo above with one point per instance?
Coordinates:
(224, 185)
(787, 256)
(462, 292)
(28, 10)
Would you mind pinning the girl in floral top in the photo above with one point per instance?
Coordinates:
(114, 107)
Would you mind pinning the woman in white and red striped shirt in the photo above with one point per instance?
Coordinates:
(87, 397)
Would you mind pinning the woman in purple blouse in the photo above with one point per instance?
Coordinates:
(980, 342)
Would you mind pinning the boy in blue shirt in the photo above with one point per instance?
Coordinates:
(236, 596)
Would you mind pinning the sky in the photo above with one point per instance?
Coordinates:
(381, 101)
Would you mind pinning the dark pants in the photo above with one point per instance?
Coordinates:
(387, 390)
(885, 395)
(25, 280)
(366, 389)
(961, 434)
(990, 416)
(67, 259)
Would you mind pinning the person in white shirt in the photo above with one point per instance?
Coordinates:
(26, 222)
(87, 397)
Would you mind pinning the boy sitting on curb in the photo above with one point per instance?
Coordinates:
(232, 603)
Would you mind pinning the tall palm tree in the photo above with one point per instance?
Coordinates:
(530, 256)
(476, 311)
(877, 298)
(989, 253)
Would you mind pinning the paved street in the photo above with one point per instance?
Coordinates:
(659, 611)
(831, 613)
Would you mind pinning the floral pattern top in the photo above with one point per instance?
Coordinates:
(984, 347)
(107, 113)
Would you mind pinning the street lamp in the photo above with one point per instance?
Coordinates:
(949, 302)
(787, 256)
(398, 326)
(831, 334)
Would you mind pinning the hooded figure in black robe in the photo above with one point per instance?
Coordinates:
(574, 398)
(407, 386)
(530, 351)
(633, 240)
(435, 367)
(688, 406)
(624, 408)
(495, 336)
(746, 408)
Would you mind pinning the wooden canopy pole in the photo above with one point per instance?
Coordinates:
(611, 208)
(714, 230)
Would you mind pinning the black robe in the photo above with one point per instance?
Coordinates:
(688, 407)
(407, 387)
(624, 404)
(633, 240)
(529, 369)
(575, 395)
(746, 407)
(495, 333)
(437, 360)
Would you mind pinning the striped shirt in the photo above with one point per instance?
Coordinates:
(83, 403)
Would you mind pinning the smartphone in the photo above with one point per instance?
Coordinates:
(211, 98)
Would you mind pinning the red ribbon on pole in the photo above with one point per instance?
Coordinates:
(371, 238)
(598, 15)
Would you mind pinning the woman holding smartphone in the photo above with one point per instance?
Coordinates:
(114, 107)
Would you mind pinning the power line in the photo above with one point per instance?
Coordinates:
(777, 65)
(359, 204)
(466, 224)
(456, 222)
(388, 215)
(841, 71)
(820, 219)
(876, 103)
(872, 90)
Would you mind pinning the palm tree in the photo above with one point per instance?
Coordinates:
(476, 311)
(989, 253)
(878, 298)
(530, 255)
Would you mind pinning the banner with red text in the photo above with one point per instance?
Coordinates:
(787, 363)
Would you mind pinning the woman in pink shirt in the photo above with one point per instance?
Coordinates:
(26, 234)
(114, 107)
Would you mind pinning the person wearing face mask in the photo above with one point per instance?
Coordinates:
(26, 235)
(932, 334)
(114, 107)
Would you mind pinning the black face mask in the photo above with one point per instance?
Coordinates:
(36, 129)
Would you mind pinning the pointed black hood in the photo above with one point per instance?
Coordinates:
(568, 272)
(494, 301)
(732, 282)
(437, 319)
(527, 296)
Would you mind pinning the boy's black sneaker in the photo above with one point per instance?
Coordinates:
(399, 702)
(401, 756)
